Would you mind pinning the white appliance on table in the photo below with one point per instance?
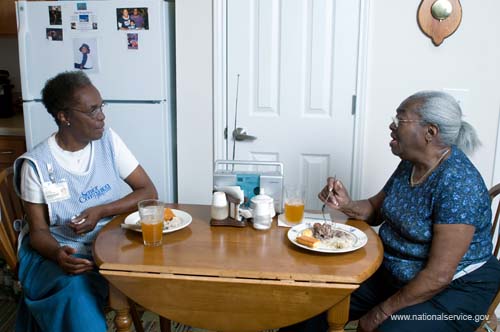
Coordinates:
(133, 70)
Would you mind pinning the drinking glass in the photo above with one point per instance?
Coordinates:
(151, 213)
(294, 204)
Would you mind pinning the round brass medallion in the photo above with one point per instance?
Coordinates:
(441, 9)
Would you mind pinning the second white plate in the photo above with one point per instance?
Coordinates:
(181, 220)
(360, 236)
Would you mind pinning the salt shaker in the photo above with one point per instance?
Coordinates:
(262, 210)
(219, 209)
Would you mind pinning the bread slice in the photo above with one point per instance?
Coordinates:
(308, 241)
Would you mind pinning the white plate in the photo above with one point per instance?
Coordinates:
(181, 220)
(359, 235)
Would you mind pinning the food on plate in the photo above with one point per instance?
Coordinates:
(307, 232)
(308, 241)
(326, 235)
(168, 214)
(332, 237)
(323, 231)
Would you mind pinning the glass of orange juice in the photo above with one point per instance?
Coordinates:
(294, 204)
(151, 214)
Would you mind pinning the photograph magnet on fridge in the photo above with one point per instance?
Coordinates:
(83, 20)
(54, 34)
(85, 54)
(81, 6)
(133, 41)
(55, 15)
(134, 18)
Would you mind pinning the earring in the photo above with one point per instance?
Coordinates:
(68, 124)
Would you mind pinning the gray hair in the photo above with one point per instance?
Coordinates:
(443, 110)
(58, 93)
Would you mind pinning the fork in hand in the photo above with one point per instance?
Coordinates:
(330, 190)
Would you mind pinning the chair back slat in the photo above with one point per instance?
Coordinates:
(495, 226)
(494, 192)
(11, 208)
(7, 251)
(496, 229)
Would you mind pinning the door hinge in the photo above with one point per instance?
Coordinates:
(225, 133)
(353, 104)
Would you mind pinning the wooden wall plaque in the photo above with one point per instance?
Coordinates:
(438, 19)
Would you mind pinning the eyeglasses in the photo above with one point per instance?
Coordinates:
(93, 112)
(397, 121)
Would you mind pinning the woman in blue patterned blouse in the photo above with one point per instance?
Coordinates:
(435, 212)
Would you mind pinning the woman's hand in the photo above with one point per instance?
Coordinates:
(337, 196)
(71, 264)
(87, 220)
(372, 319)
(340, 200)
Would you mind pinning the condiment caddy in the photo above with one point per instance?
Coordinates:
(226, 209)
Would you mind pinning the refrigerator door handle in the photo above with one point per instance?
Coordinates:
(22, 31)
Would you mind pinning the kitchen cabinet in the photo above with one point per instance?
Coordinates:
(8, 25)
(11, 147)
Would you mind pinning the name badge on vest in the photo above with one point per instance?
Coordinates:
(55, 192)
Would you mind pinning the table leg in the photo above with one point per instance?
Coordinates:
(338, 315)
(119, 303)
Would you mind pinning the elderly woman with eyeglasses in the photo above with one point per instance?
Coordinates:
(72, 184)
(438, 272)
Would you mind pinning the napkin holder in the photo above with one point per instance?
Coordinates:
(234, 218)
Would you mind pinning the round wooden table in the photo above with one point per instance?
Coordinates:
(231, 279)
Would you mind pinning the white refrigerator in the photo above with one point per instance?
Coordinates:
(133, 67)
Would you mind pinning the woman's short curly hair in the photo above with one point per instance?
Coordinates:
(58, 94)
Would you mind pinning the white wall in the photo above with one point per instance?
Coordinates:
(402, 60)
(194, 100)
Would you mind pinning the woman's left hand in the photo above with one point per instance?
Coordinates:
(86, 221)
(371, 320)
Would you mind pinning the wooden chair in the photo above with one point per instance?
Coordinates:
(11, 209)
(491, 323)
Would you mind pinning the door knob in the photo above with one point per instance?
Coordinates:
(240, 134)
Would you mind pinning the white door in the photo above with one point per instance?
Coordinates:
(296, 62)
